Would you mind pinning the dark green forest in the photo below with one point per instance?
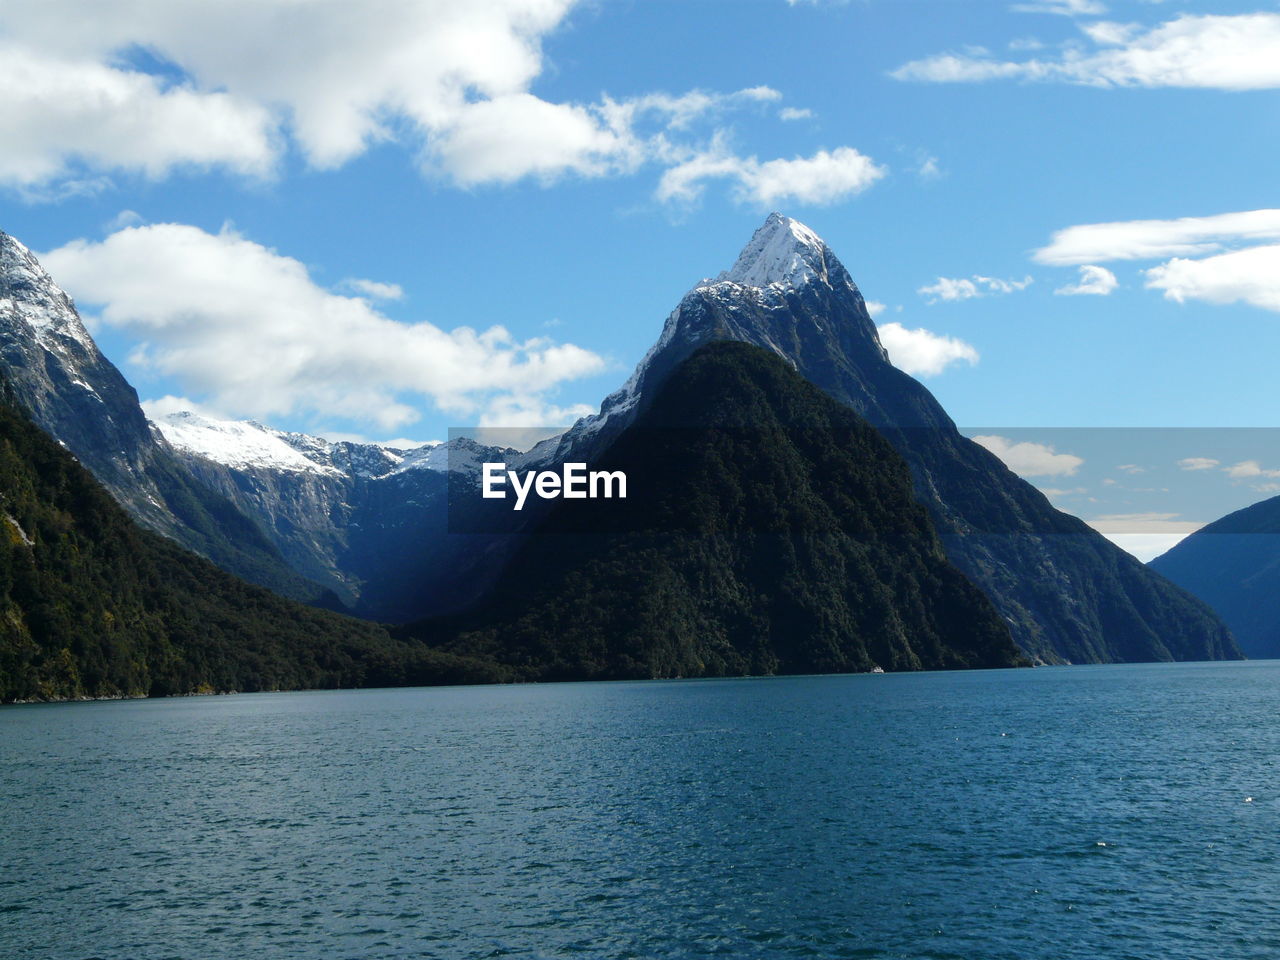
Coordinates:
(91, 605)
(768, 529)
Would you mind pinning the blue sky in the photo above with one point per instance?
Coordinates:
(288, 211)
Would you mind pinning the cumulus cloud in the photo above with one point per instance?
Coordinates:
(967, 288)
(62, 114)
(795, 113)
(923, 353)
(1095, 280)
(1156, 239)
(1028, 459)
(1221, 52)
(249, 330)
(1242, 276)
(233, 85)
(826, 177)
(1197, 463)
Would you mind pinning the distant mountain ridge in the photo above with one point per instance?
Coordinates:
(1233, 565)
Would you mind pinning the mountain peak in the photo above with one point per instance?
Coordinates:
(782, 251)
(28, 296)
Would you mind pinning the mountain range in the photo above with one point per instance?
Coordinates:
(368, 527)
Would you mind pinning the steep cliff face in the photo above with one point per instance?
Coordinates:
(1068, 593)
(58, 375)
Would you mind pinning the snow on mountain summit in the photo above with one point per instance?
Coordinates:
(782, 251)
(29, 295)
(240, 443)
(247, 444)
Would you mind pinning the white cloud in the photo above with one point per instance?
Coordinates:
(1066, 8)
(1156, 239)
(875, 307)
(1249, 470)
(1197, 463)
(824, 178)
(921, 352)
(1054, 492)
(964, 288)
(374, 290)
(60, 115)
(1095, 280)
(929, 169)
(1131, 468)
(795, 113)
(1242, 276)
(249, 330)
(159, 407)
(1028, 459)
(452, 83)
(1210, 51)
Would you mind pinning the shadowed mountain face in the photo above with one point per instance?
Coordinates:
(1233, 564)
(59, 377)
(767, 529)
(1068, 594)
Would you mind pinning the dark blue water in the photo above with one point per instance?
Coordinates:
(1086, 812)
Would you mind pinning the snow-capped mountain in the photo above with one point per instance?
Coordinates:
(1068, 593)
(368, 521)
(247, 444)
(57, 374)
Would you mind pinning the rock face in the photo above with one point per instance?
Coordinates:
(57, 374)
(1233, 564)
(768, 529)
(369, 522)
(1068, 594)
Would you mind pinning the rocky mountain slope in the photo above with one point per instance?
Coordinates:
(367, 521)
(59, 377)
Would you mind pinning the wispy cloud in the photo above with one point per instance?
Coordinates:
(967, 288)
(1094, 280)
(1209, 51)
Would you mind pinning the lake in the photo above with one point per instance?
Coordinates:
(1081, 812)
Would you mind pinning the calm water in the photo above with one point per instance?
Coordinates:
(1087, 812)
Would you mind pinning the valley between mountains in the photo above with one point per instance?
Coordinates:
(799, 505)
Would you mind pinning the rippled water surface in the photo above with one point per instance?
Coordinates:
(1087, 812)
